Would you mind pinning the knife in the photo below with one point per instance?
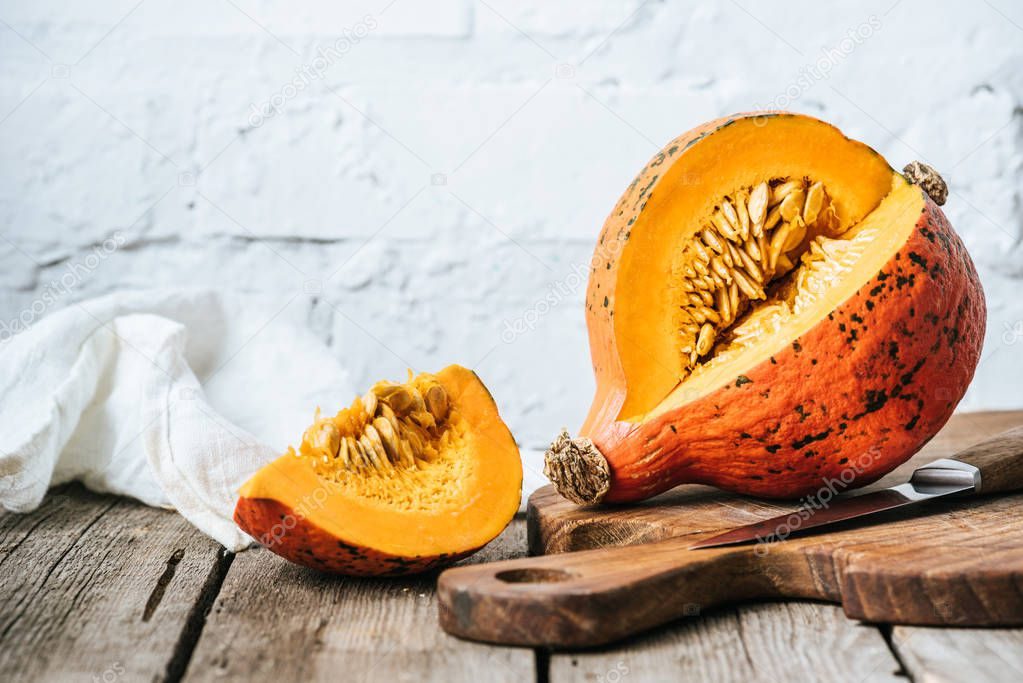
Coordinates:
(939, 479)
(593, 597)
(988, 467)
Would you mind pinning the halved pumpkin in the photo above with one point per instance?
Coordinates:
(771, 310)
(409, 477)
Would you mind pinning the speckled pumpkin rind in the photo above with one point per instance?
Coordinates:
(302, 542)
(851, 398)
(847, 402)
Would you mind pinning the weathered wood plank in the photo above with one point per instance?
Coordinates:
(767, 642)
(952, 655)
(97, 586)
(275, 620)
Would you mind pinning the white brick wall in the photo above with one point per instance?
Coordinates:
(457, 158)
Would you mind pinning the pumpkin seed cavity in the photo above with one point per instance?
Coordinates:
(764, 254)
(390, 443)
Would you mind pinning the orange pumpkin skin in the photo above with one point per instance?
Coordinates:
(795, 424)
(297, 539)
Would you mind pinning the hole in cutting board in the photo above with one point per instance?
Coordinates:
(534, 575)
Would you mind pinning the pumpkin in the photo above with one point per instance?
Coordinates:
(411, 476)
(772, 310)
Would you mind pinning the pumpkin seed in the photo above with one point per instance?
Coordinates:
(711, 315)
(358, 456)
(374, 458)
(733, 251)
(388, 438)
(730, 215)
(343, 455)
(706, 340)
(326, 438)
(752, 250)
(369, 403)
(397, 397)
(721, 270)
(747, 287)
(814, 202)
(780, 235)
(751, 267)
(758, 205)
(388, 414)
(795, 236)
(712, 240)
(779, 193)
(701, 251)
(723, 227)
(741, 202)
(408, 457)
(723, 305)
(418, 404)
(792, 205)
(437, 402)
(415, 441)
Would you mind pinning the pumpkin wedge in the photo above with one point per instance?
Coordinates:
(410, 477)
(772, 310)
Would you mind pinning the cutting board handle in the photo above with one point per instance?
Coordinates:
(1000, 461)
(584, 599)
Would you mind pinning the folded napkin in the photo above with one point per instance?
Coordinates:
(168, 396)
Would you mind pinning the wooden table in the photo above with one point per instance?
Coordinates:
(98, 588)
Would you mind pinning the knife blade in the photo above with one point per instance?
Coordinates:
(939, 479)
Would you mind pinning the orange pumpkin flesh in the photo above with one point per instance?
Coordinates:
(847, 359)
(445, 486)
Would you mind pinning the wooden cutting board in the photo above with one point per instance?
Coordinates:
(947, 562)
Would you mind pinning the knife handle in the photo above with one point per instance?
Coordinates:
(999, 461)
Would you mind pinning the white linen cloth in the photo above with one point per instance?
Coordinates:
(168, 396)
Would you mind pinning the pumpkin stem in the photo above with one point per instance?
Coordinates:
(577, 469)
(928, 179)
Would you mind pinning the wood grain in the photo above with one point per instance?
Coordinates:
(275, 620)
(955, 655)
(97, 586)
(767, 642)
(957, 562)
